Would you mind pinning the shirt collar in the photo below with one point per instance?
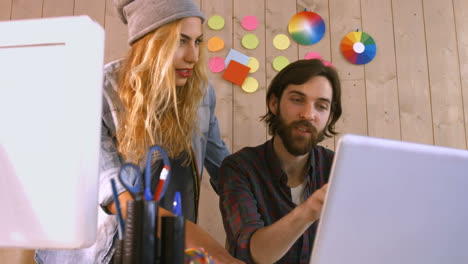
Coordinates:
(274, 162)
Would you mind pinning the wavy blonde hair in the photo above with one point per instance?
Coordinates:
(155, 110)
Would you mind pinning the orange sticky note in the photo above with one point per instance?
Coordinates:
(215, 44)
(236, 72)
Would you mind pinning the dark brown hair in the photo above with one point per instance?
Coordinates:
(297, 73)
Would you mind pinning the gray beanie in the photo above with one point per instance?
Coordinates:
(144, 16)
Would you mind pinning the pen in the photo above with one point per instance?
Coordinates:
(161, 187)
(120, 221)
(177, 205)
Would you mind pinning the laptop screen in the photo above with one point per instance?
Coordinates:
(50, 109)
(394, 202)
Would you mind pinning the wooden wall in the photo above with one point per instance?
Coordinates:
(416, 88)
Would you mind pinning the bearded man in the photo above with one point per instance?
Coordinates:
(271, 196)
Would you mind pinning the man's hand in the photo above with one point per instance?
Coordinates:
(314, 203)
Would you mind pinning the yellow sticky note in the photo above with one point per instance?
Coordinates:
(281, 42)
(253, 64)
(250, 41)
(250, 85)
(215, 44)
(216, 22)
(280, 62)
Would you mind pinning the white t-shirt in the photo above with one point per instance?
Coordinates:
(297, 193)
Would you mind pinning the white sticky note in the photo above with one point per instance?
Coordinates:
(237, 56)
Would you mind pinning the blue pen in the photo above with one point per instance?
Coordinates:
(177, 205)
(120, 221)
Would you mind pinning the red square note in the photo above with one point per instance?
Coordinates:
(236, 72)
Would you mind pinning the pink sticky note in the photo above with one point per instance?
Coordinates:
(313, 55)
(216, 64)
(249, 23)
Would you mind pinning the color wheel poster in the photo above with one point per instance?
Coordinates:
(358, 47)
(306, 28)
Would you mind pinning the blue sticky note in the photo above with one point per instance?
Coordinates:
(236, 56)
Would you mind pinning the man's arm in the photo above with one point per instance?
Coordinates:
(238, 205)
(248, 237)
(197, 237)
(271, 243)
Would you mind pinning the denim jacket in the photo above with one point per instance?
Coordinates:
(207, 145)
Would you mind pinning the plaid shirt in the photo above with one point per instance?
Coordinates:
(254, 194)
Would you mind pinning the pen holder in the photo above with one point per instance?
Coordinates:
(117, 259)
(150, 246)
(172, 239)
(133, 233)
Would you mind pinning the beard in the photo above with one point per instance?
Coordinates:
(298, 145)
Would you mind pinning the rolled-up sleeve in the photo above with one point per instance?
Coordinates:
(110, 161)
(239, 208)
(109, 168)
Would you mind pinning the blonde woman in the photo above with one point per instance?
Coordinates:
(158, 95)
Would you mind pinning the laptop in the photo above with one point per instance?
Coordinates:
(50, 117)
(394, 202)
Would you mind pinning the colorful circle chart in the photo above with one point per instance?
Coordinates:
(358, 47)
(306, 28)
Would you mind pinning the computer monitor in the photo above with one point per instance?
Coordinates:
(394, 202)
(50, 116)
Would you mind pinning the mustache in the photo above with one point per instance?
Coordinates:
(305, 124)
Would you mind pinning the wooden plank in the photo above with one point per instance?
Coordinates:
(247, 130)
(209, 219)
(57, 8)
(320, 7)
(116, 35)
(412, 73)
(277, 17)
(223, 88)
(18, 256)
(354, 119)
(25, 9)
(96, 9)
(461, 24)
(209, 215)
(345, 16)
(381, 84)
(444, 72)
(5, 10)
